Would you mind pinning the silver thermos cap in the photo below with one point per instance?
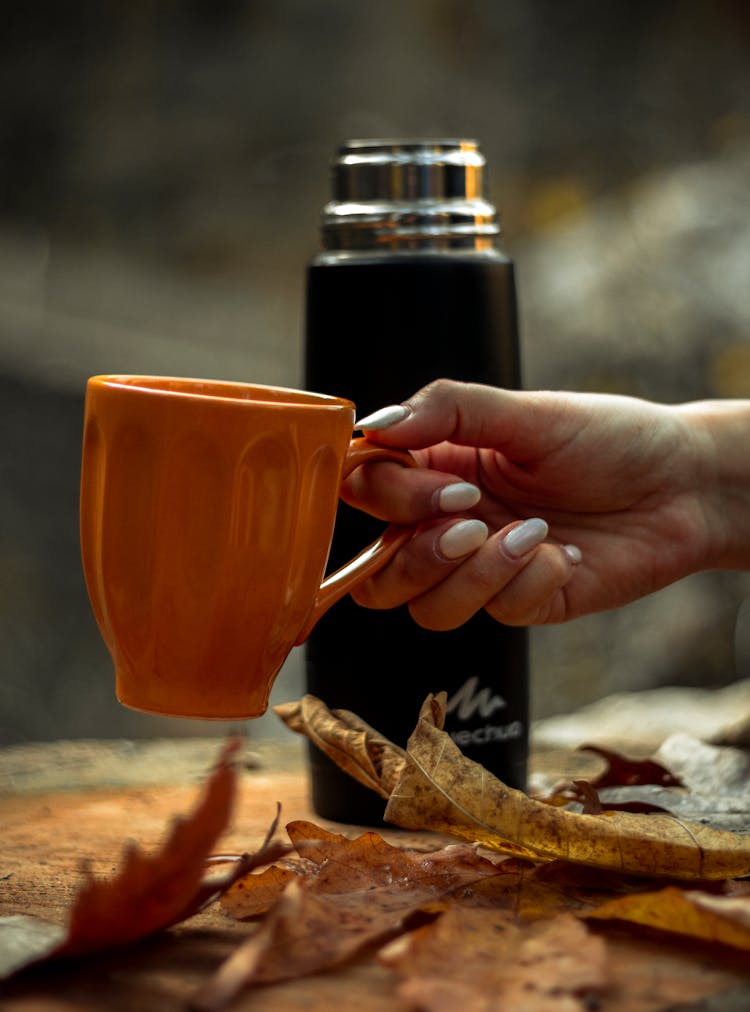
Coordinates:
(401, 195)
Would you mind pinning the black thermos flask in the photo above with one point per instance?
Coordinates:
(410, 286)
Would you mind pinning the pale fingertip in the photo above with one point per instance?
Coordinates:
(525, 537)
(462, 538)
(574, 554)
(384, 417)
(461, 495)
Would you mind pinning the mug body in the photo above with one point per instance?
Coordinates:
(207, 512)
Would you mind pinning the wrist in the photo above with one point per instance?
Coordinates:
(720, 431)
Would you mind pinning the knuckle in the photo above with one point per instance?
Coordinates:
(508, 612)
(428, 618)
(371, 595)
(440, 391)
(417, 572)
(528, 598)
(485, 577)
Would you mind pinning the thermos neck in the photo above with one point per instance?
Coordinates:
(409, 195)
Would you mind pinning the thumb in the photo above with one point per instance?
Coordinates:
(472, 414)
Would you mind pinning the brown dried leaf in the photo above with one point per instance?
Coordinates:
(691, 913)
(320, 845)
(478, 960)
(535, 891)
(442, 790)
(586, 794)
(594, 804)
(357, 748)
(150, 892)
(253, 895)
(256, 893)
(364, 891)
(622, 771)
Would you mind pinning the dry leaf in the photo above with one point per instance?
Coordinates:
(150, 892)
(364, 890)
(480, 961)
(624, 772)
(594, 802)
(320, 845)
(442, 790)
(535, 891)
(255, 895)
(357, 748)
(724, 919)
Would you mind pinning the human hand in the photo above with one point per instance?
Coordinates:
(567, 503)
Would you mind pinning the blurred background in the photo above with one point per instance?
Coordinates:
(162, 168)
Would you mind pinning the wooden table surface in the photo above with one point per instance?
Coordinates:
(63, 802)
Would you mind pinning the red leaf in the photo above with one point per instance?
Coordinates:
(150, 892)
(624, 772)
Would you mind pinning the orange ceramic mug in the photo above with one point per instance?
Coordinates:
(207, 512)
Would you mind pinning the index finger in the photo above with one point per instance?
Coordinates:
(407, 495)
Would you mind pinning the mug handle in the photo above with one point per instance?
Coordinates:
(376, 555)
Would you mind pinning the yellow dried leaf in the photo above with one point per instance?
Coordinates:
(724, 919)
(440, 789)
(352, 744)
(535, 891)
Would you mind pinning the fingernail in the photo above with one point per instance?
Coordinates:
(384, 417)
(464, 537)
(574, 554)
(526, 536)
(459, 496)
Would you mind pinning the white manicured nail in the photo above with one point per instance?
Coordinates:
(464, 537)
(574, 554)
(526, 536)
(459, 496)
(384, 417)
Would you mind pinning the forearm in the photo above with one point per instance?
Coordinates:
(721, 433)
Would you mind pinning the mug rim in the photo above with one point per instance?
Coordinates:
(151, 385)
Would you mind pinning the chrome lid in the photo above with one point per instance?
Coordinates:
(407, 194)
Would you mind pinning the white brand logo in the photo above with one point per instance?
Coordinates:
(468, 701)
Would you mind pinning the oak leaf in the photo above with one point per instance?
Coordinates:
(479, 960)
(362, 891)
(622, 771)
(691, 913)
(253, 897)
(594, 802)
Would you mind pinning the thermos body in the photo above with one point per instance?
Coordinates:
(410, 275)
